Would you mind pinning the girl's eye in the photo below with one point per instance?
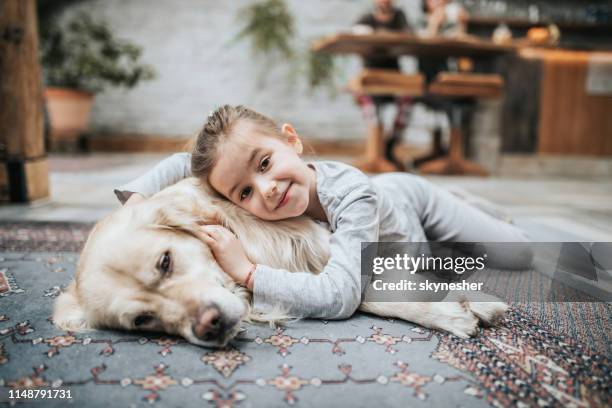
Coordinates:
(264, 164)
(245, 193)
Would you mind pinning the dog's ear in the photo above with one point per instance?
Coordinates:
(68, 313)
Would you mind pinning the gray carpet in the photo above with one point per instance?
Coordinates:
(364, 361)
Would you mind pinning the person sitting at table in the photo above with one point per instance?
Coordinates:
(444, 18)
(447, 19)
(384, 17)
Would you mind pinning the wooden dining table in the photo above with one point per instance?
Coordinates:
(397, 44)
(482, 51)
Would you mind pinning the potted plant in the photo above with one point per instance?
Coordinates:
(270, 28)
(80, 59)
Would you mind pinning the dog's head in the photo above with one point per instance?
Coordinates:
(144, 268)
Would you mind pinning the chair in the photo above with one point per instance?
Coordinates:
(379, 82)
(459, 91)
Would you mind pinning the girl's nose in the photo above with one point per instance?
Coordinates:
(271, 190)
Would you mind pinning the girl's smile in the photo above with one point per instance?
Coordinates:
(284, 198)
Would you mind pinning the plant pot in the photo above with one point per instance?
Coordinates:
(69, 111)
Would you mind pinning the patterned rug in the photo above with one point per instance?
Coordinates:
(365, 361)
(43, 236)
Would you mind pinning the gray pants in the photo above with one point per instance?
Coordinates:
(447, 218)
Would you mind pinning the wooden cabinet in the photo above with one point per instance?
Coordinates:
(573, 120)
(549, 109)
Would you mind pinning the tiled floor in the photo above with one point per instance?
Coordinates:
(550, 209)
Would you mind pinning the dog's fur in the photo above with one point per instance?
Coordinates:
(118, 276)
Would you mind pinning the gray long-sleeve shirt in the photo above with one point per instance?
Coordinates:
(391, 207)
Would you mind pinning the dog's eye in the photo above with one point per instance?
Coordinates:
(143, 320)
(165, 263)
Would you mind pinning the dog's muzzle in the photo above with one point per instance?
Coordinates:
(212, 326)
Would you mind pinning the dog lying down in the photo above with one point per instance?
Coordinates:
(144, 268)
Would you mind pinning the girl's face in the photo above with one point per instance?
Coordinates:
(263, 174)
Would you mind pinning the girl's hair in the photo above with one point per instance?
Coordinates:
(218, 127)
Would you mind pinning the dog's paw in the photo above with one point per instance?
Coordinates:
(457, 319)
(488, 312)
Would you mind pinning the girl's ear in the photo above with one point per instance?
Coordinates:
(292, 137)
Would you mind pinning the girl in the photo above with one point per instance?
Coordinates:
(256, 165)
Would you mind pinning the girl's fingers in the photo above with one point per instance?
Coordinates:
(216, 231)
(215, 235)
(206, 236)
(210, 230)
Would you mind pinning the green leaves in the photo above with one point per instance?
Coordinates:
(269, 26)
(321, 69)
(85, 55)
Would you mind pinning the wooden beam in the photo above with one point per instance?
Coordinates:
(21, 115)
(37, 176)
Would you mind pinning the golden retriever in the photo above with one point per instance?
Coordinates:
(144, 268)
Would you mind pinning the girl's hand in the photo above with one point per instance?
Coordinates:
(228, 252)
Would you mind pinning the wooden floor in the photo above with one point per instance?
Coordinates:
(550, 209)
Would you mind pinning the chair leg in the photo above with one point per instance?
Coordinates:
(436, 149)
(455, 148)
(389, 151)
(454, 163)
(375, 161)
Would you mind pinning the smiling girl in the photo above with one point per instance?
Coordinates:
(257, 165)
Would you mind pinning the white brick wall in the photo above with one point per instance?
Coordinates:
(190, 44)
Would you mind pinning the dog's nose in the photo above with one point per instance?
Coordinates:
(209, 324)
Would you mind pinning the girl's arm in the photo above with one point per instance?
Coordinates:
(434, 21)
(336, 292)
(164, 174)
(463, 21)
